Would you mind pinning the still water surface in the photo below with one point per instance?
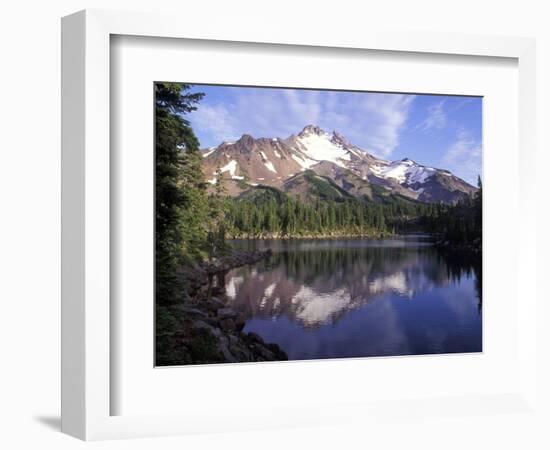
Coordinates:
(352, 297)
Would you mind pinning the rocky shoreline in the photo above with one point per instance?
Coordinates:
(202, 329)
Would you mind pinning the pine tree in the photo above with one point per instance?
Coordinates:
(217, 217)
(180, 200)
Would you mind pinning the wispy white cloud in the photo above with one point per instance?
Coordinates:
(217, 120)
(374, 122)
(436, 119)
(463, 157)
(384, 118)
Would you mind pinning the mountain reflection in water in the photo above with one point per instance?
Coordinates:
(344, 298)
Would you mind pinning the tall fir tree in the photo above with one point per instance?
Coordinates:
(217, 207)
(180, 194)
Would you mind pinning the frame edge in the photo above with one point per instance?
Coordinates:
(73, 83)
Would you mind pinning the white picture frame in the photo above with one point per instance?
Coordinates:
(86, 284)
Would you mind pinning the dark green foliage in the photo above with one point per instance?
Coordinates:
(180, 192)
(459, 224)
(217, 201)
(203, 348)
(268, 212)
(263, 194)
(165, 322)
(242, 184)
(178, 342)
(324, 188)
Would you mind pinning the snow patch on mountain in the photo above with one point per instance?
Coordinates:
(403, 171)
(230, 167)
(269, 165)
(209, 152)
(305, 163)
(419, 174)
(320, 147)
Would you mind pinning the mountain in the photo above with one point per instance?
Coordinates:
(315, 163)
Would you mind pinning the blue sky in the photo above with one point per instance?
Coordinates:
(438, 131)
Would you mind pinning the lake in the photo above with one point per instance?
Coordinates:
(357, 297)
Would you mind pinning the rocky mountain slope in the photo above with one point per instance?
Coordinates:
(315, 162)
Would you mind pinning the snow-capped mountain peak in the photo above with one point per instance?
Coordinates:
(271, 161)
(317, 145)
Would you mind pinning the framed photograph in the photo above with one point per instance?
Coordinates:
(309, 246)
(282, 225)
